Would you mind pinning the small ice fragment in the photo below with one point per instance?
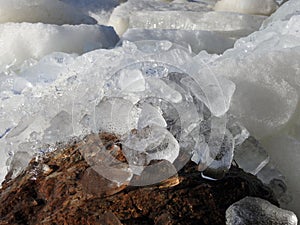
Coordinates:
(151, 115)
(131, 80)
(150, 143)
(160, 89)
(257, 211)
(60, 128)
(223, 160)
(115, 115)
(251, 149)
(238, 131)
(19, 161)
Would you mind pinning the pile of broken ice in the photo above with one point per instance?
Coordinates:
(163, 89)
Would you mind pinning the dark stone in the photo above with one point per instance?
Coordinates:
(62, 188)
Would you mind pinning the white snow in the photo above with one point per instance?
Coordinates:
(44, 11)
(21, 41)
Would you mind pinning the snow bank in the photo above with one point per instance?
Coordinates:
(20, 41)
(44, 11)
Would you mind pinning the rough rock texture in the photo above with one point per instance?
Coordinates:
(61, 188)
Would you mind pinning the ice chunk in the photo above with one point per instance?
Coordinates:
(229, 24)
(150, 143)
(19, 161)
(60, 129)
(44, 11)
(222, 161)
(197, 40)
(120, 16)
(215, 92)
(150, 116)
(131, 81)
(238, 131)
(115, 115)
(251, 149)
(257, 7)
(289, 9)
(252, 210)
(19, 42)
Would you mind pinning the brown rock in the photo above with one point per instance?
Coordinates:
(62, 188)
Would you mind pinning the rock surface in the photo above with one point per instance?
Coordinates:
(62, 188)
(257, 211)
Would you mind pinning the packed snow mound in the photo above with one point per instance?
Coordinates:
(99, 10)
(21, 41)
(256, 7)
(44, 11)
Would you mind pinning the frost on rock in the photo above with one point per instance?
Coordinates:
(252, 210)
(44, 11)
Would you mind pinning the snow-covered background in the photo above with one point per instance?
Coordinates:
(59, 59)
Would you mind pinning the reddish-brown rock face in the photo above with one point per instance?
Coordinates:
(62, 188)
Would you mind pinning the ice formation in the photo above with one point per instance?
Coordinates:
(22, 41)
(252, 210)
(165, 98)
(182, 16)
(256, 7)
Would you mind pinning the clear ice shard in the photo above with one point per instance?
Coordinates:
(151, 116)
(115, 115)
(60, 128)
(251, 149)
(257, 211)
(150, 143)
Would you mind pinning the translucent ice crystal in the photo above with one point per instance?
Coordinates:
(150, 143)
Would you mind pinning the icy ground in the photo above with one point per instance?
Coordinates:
(171, 78)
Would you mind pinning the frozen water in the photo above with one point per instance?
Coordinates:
(197, 40)
(116, 115)
(161, 99)
(251, 149)
(183, 16)
(257, 7)
(44, 11)
(289, 9)
(252, 210)
(151, 116)
(228, 24)
(21, 41)
(150, 143)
